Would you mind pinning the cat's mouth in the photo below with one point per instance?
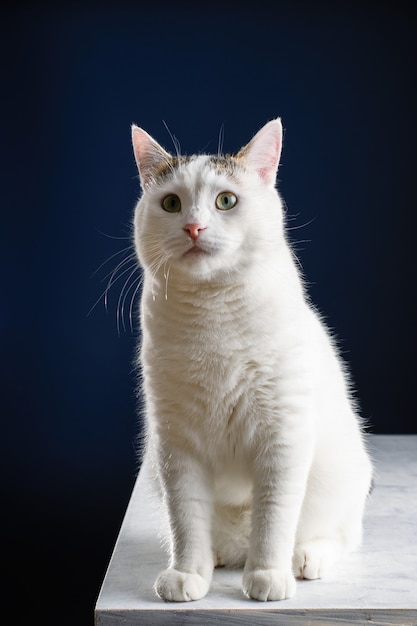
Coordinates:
(196, 251)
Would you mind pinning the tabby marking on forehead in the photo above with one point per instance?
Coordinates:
(227, 164)
(223, 164)
(167, 167)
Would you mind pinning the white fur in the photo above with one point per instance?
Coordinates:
(251, 432)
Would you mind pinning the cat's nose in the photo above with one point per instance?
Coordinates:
(194, 230)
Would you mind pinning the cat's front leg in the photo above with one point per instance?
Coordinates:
(280, 476)
(188, 498)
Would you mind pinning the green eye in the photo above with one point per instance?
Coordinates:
(171, 203)
(226, 200)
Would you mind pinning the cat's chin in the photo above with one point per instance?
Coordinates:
(199, 263)
(196, 253)
(198, 257)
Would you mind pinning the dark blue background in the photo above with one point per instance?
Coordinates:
(74, 77)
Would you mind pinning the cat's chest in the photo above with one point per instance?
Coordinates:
(210, 363)
(208, 344)
(206, 329)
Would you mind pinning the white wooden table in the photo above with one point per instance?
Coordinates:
(376, 585)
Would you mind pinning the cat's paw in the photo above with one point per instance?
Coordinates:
(315, 558)
(175, 586)
(268, 584)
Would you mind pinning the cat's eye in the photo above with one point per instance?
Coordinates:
(226, 200)
(171, 203)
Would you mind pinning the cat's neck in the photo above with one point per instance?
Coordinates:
(175, 285)
(257, 283)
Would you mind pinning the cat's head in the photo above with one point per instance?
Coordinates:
(207, 215)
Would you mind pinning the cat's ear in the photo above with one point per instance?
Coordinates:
(262, 153)
(149, 155)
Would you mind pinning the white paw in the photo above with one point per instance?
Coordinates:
(268, 584)
(175, 586)
(314, 559)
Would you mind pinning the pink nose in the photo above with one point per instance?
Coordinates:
(194, 230)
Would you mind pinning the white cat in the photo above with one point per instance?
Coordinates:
(250, 428)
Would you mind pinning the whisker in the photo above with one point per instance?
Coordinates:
(220, 140)
(126, 267)
(95, 304)
(109, 259)
(138, 286)
(111, 236)
(119, 266)
(302, 225)
(139, 280)
(111, 282)
(120, 302)
(297, 260)
(174, 140)
(166, 276)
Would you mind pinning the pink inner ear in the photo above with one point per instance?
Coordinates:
(264, 150)
(141, 144)
(268, 170)
(148, 154)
